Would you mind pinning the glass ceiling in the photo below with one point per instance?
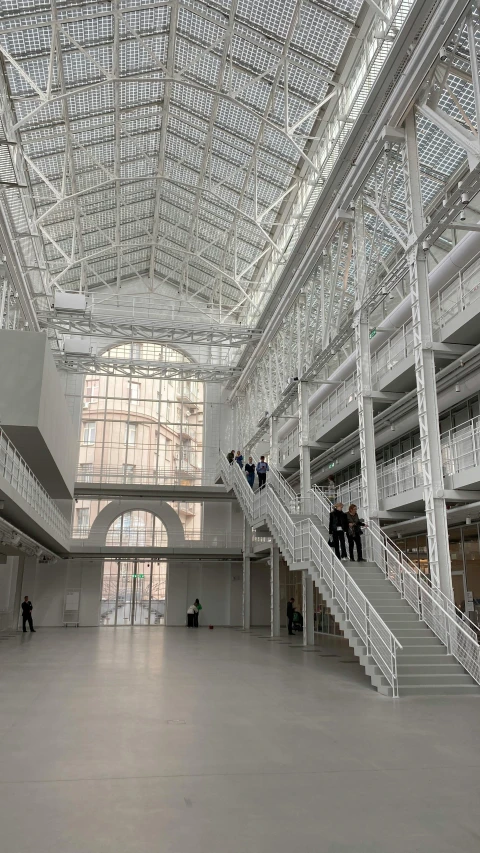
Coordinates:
(163, 141)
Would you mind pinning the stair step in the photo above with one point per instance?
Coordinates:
(435, 678)
(423, 640)
(420, 650)
(439, 690)
(430, 669)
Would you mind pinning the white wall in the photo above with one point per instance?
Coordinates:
(218, 585)
(10, 588)
(34, 412)
(45, 585)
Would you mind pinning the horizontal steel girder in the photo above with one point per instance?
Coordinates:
(170, 331)
(86, 363)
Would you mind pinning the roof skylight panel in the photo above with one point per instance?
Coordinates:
(99, 99)
(463, 92)
(28, 42)
(79, 70)
(321, 35)
(203, 32)
(269, 16)
(139, 55)
(238, 119)
(153, 19)
(436, 149)
(88, 31)
(252, 55)
(197, 100)
(247, 90)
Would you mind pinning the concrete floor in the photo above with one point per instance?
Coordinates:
(141, 740)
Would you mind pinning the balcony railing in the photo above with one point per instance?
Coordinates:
(457, 296)
(392, 352)
(339, 399)
(156, 537)
(187, 475)
(16, 472)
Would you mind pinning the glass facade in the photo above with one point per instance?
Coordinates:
(141, 430)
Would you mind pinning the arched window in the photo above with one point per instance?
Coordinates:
(137, 528)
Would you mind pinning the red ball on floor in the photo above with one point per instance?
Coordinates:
(211, 627)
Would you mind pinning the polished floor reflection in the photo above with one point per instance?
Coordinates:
(132, 741)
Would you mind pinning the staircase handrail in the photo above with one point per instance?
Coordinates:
(432, 605)
(303, 543)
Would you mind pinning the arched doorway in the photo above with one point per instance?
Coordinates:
(134, 589)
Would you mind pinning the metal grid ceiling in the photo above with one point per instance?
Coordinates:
(161, 137)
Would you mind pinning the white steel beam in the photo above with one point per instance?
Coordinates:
(274, 590)
(246, 592)
(366, 429)
(86, 363)
(433, 491)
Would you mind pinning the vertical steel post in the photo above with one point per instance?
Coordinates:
(273, 440)
(307, 602)
(304, 441)
(433, 489)
(247, 549)
(366, 432)
(274, 590)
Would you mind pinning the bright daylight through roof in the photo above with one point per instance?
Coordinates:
(239, 425)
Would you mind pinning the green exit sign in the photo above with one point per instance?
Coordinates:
(138, 576)
(373, 332)
(331, 465)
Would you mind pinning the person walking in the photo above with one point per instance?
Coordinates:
(231, 457)
(331, 489)
(290, 615)
(355, 525)
(239, 459)
(262, 468)
(250, 472)
(27, 608)
(196, 615)
(191, 613)
(337, 529)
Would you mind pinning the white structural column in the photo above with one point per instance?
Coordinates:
(307, 610)
(433, 490)
(304, 439)
(246, 599)
(305, 484)
(273, 440)
(368, 466)
(274, 591)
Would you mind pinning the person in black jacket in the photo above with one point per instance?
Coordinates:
(337, 529)
(27, 608)
(290, 612)
(355, 525)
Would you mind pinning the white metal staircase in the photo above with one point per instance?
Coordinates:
(407, 637)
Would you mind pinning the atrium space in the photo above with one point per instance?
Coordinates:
(239, 425)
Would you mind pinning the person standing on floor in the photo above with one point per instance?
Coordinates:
(262, 468)
(191, 613)
(239, 459)
(250, 472)
(290, 615)
(355, 525)
(196, 615)
(338, 528)
(27, 608)
(231, 457)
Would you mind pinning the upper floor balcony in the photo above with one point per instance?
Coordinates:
(26, 503)
(455, 319)
(401, 480)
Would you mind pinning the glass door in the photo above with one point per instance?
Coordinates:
(133, 592)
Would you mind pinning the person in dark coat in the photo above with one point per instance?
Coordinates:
(27, 608)
(239, 458)
(290, 612)
(231, 457)
(338, 528)
(250, 472)
(354, 532)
